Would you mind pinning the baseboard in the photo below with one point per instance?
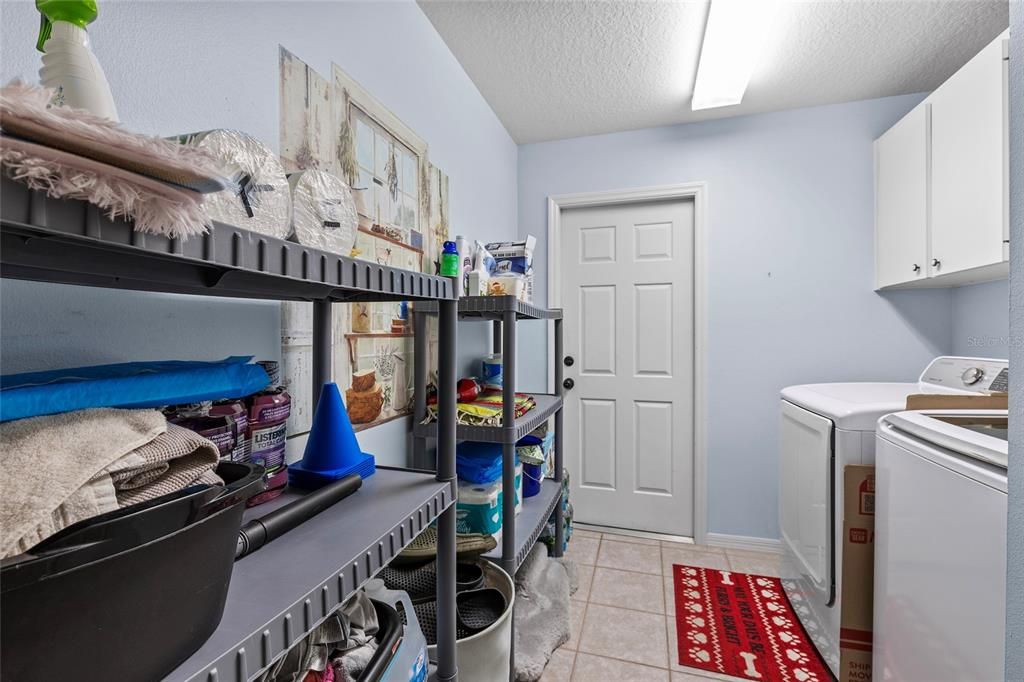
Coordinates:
(744, 542)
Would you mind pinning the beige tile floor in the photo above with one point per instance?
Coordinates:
(622, 624)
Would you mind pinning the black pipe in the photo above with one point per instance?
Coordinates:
(259, 532)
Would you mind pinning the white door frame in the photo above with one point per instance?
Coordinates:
(698, 192)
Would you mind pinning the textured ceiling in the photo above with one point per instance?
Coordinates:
(556, 68)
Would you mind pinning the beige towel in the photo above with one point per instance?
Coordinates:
(61, 469)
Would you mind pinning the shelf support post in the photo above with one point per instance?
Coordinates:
(559, 467)
(321, 346)
(508, 457)
(419, 410)
(447, 665)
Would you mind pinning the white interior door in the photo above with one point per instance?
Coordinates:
(627, 287)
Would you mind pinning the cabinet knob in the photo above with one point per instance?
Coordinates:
(917, 268)
(936, 263)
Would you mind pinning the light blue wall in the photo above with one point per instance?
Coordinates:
(178, 67)
(981, 320)
(1015, 526)
(790, 263)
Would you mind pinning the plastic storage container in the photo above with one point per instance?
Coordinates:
(127, 595)
(410, 661)
(532, 478)
(486, 656)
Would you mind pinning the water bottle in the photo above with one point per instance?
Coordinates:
(69, 66)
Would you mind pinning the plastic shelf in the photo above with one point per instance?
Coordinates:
(73, 242)
(492, 308)
(281, 592)
(531, 521)
(547, 405)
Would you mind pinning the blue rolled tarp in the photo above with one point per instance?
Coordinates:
(129, 384)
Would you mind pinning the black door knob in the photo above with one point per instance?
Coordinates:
(569, 362)
(568, 384)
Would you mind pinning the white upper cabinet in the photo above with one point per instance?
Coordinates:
(901, 201)
(968, 165)
(941, 192)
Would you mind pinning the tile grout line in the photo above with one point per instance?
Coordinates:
(625, 660)
(583, 620)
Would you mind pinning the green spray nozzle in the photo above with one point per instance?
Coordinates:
(77, 12)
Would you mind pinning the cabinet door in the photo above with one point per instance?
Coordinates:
(901, 201)
(968, 147)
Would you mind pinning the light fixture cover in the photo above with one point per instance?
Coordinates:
(733, 38)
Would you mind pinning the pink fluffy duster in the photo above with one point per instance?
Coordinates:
(73, 154)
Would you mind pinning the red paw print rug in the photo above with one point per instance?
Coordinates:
(742, 625)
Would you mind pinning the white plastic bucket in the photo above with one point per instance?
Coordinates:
(486, 656)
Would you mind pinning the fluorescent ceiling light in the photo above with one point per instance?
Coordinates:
(733, 38)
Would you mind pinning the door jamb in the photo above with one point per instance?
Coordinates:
(698, 192)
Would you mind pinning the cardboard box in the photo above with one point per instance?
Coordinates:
(855, 618)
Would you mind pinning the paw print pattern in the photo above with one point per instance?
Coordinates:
(699, 654)
(692, 594)
(797, 656)
(787, 637)
(774, 607)
(695, 621)
(696, 637)
(764, 582)
(694, 608)
(782, 621)
(690, 571)
(690, 582)
(769, 594)
(804, 675)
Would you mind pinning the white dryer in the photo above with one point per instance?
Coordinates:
(824, 428)
(940, 546)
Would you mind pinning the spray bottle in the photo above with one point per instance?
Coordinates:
(69, 66)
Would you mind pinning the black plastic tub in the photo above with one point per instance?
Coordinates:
(126, 596)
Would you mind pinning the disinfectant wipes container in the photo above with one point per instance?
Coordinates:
(479, 506)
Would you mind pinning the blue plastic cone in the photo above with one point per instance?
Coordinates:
(332, 451)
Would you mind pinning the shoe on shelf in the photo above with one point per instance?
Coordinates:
(424, 547)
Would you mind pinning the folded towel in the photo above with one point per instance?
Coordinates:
(68, 467)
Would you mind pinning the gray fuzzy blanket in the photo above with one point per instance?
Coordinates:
(543, 586)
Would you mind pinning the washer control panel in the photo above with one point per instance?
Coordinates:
(972, 375)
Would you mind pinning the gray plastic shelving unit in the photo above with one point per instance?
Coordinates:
(294, 583)
(547, 405)
(73, 242)
(280, 593)
(531, 521)
(518, 534)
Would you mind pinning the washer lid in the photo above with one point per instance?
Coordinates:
(978, 434)
(853, 406)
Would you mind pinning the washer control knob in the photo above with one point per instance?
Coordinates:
(972, 375)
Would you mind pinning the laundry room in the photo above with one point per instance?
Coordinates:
(533, 340)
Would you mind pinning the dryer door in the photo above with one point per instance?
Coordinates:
(806, 497)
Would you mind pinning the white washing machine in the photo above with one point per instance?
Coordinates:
(824, 428)
(940, 546)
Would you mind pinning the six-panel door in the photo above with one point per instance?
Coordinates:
(627, 288)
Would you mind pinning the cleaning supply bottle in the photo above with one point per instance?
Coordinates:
(450, 260)
(69, 66)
